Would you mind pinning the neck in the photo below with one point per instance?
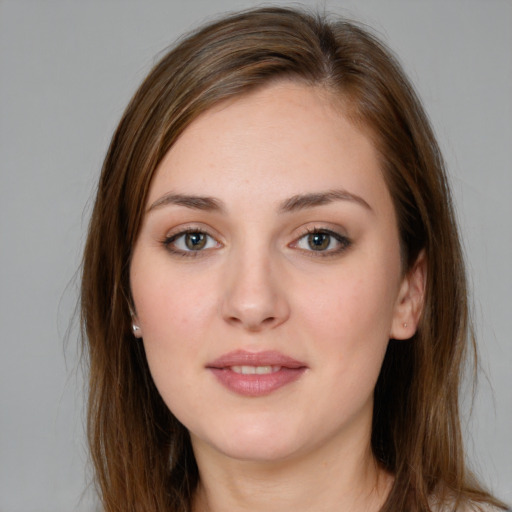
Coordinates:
(323, 480)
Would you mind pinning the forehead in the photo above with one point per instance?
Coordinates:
(284, 139)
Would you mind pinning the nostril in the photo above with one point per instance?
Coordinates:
(253, 324)
(254, 302)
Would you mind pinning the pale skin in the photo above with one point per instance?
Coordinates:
(269, 227)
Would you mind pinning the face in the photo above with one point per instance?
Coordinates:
(266, 277)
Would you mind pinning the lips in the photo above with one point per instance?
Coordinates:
(256, 373)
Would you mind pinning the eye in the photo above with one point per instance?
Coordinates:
(322, 241)
(190, 241)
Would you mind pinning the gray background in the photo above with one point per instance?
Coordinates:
(68, 68)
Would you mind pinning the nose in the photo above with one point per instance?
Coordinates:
(254, 296)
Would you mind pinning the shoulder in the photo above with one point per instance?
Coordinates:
(471, 506)
(478, 507)
(484, 507)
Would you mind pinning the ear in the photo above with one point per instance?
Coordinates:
(409, 303)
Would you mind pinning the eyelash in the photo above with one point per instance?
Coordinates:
(169, 242)
(343, 242)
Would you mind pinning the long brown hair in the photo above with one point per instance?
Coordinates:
(141, 453)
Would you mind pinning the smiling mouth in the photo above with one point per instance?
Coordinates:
(255, 370)
(256, 374)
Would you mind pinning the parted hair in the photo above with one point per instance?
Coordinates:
(142, 455)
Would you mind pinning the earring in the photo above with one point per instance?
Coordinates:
(135, 328)
(405, 325)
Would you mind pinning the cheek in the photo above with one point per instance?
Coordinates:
(350, 328)
(174, 311)
(353, 301)
(171, 302)
(171, 336)
(349, 316)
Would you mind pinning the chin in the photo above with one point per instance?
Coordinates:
(254, 442)
(262, 451)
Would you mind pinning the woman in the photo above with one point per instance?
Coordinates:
(264, 327)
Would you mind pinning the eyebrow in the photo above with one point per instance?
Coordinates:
(294, 203)
(194, 202)
(302, 201)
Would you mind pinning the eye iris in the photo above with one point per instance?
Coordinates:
(318, 241)
(195, 241)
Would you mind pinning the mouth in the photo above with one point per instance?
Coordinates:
(256, 373)
(255, 370)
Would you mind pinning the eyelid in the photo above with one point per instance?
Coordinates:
(183, 230)
(344, 241)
